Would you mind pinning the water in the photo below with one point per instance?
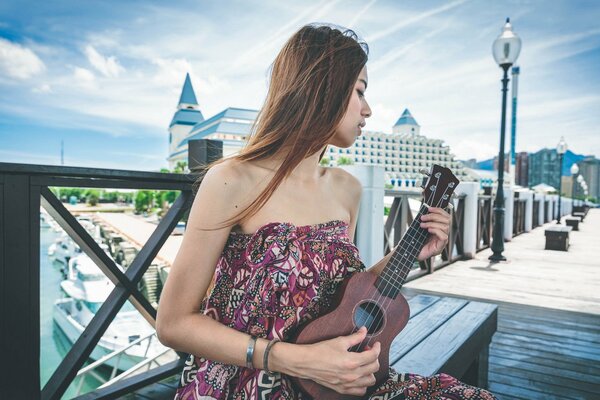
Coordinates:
(53, 343)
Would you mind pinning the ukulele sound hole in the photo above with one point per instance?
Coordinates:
(370, 315)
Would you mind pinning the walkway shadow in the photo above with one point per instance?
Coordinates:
(489, 267)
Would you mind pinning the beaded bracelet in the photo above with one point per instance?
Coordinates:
(250, 352)
(266, 357)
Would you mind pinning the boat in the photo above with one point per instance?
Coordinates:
(86, 288)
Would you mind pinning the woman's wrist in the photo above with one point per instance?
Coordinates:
(285, 358)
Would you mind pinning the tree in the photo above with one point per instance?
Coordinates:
(345, 161)
(324, 161)
(143, 200)
(180, 167)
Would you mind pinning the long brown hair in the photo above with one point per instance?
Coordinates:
(311, 82)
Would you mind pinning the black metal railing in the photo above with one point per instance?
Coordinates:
(23, 189)
(485, 213)
(519, 206)
(401, 216)
(536, 214)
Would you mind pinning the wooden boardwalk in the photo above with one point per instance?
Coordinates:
(548, 341)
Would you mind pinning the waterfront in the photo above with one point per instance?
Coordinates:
(53, 344)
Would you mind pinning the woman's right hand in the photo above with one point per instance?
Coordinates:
(330, 364)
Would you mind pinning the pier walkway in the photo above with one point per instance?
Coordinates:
(548, 341)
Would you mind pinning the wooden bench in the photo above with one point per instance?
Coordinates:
(579, 215)
(573, 222)
(557, 237)
(446, 335)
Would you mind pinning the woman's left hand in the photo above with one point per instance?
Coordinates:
(437, 222)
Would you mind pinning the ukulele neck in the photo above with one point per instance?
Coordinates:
(394, 274)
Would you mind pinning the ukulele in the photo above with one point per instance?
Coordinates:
(366, 299)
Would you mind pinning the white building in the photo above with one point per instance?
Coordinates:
(403, 153)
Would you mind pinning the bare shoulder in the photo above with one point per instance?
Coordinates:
(222, 191)
(345, 181)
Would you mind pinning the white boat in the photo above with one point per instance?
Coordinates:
(63, 249)
(87, 288)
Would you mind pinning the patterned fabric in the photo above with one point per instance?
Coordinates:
(269, 283)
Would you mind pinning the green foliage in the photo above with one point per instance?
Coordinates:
(389, 186)
(144, 200)
(386, 210)
(180, 167)
(93, 197)
(345, 161)
(324, 161)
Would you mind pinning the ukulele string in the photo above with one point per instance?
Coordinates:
(392, 281)
(387, 285)
(395, 281)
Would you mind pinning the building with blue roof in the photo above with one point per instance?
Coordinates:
(403, 153)
(232, 126)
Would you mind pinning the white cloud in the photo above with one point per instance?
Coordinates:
(84, 77)
(45, 88)
(107, 66)
(19, 62)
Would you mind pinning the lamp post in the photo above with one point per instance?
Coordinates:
(574, 172)
(561, 149)
(506, 49)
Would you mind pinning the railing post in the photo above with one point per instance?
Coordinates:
(202, 152)
(508, 213)
(19, 287)
(369, 234)
(471, 192)
(528, 196)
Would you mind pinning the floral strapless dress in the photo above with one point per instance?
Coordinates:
(272, 281)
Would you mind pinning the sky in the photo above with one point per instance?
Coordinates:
(104, 77)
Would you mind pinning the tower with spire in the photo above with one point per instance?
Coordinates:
(406, 125)
(187, 115)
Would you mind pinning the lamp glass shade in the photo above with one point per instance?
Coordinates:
(580, 178)
(507, 46)
(561, 147)
(574, 169)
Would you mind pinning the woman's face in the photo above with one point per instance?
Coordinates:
(354, 119)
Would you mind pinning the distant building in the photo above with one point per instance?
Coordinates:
(402, 153)
(522, 169)
(544, 168)
(589, 167)
(232, 126)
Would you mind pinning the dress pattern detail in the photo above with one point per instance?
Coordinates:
(270, 282)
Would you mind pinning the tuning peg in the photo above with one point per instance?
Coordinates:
(423, 183)
(424, 171)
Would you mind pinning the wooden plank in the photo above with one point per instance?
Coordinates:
(528, 381)
(540, 373)
(565, 350)
(422, 325)
(420, 302)
(548, 358)
(462, 335)
(506, 391)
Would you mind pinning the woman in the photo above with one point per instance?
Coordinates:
(271, 275)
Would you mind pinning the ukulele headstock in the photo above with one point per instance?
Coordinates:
(439, 186)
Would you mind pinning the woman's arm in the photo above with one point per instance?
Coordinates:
(180, 325)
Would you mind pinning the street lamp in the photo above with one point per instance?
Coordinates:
(574, 172)
(561, 149)
(506, 49)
